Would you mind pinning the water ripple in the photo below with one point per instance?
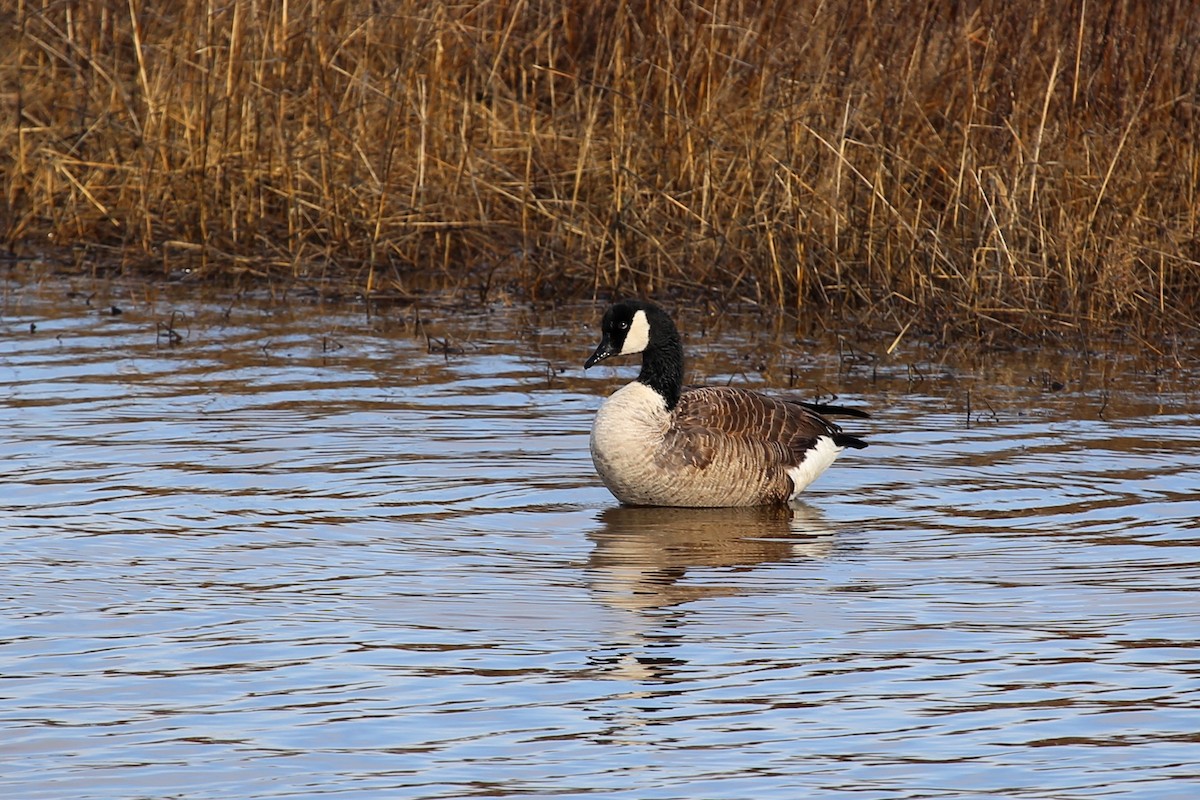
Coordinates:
(302, 554)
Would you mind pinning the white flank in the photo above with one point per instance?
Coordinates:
(639, 335)
(816, 461)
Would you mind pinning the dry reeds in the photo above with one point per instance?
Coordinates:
(1027, 165)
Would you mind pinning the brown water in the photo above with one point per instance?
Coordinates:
(308, 552)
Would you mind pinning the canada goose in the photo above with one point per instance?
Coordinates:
(656, 443)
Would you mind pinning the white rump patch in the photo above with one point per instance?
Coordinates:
(816, 461)
(638, 336)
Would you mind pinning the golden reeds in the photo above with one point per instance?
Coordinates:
(988, 165)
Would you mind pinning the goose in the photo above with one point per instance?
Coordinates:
(655, 442)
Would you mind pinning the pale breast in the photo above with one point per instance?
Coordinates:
(628, 431)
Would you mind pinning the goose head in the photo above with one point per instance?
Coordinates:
(629, 327)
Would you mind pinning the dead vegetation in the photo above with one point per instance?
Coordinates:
(965, 167)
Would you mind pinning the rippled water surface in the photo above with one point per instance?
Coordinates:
(277, 550)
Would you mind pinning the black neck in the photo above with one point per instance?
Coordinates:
(662, 367)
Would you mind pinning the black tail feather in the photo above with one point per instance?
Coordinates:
(834, 411)
(846, 440)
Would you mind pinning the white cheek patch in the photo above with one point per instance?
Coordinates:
(638, 336)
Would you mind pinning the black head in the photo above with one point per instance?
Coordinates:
(629, 327)
(635, 326)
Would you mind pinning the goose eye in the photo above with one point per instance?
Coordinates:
(622, 325)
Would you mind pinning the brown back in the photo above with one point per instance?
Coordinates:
(769, 430)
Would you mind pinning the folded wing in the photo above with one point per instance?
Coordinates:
(714, 422)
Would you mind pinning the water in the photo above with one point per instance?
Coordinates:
(315, 552)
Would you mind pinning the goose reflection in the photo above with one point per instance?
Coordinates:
(643, 556)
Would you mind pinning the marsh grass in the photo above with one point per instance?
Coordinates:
(960, 167)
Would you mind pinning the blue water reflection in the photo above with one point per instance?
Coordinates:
(251, 566)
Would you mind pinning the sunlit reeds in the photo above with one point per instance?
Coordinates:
(982, 166)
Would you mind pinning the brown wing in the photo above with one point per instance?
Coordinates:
(768, 430)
